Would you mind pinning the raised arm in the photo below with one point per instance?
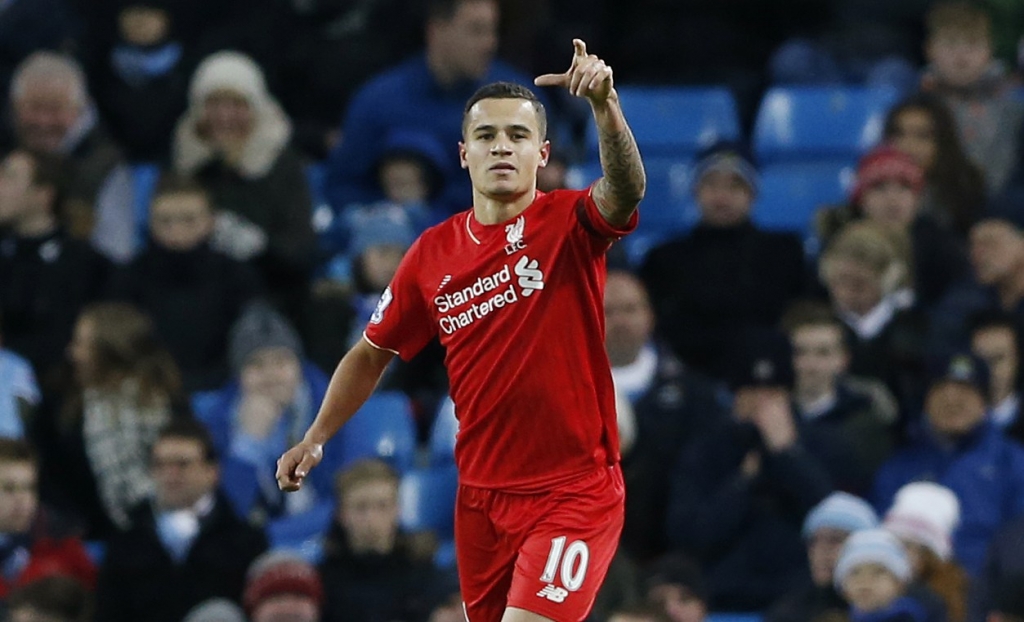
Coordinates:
(620, 190)
(352, 383)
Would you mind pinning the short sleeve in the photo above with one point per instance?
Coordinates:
(594, 223)
(401, 323)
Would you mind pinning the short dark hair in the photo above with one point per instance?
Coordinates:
(189, 429)
(809, 313)
(444, 10)
(171, 182)
(57, 596)
(508, 90)
(984, 320)
(17, 450)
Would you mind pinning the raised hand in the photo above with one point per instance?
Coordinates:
(296, 463)
(588, 76)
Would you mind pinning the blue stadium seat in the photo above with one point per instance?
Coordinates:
(723, 616)
(442, 434)
(676, 121)
(790, 193)
(302, 533)
(806, 122)
(383, 428)
(426, 500)
(145, 176)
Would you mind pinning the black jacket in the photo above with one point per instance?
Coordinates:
(139, 580)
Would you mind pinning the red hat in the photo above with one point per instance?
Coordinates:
(883, 163)
(279, 572)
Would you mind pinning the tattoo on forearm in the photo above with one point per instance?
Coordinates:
(624, 179)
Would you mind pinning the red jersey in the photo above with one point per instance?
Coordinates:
(519, 307)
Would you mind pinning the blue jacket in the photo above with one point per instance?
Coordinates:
(985, 470)
(405, 97)
(245, 483)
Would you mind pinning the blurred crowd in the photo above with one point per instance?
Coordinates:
(202, 201)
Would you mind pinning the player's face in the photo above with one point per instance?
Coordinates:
(503, 148)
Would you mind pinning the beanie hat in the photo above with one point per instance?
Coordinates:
(231, 71)
(883, 163)
(925, 513)
(842, 511)
(215, 610)
(280, 572)
(259, 327)
(872, 546)
(728, 156)
(761, 357)
(963, 367)
(381, 225)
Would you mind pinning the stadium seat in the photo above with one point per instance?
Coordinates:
(790, 193)
(442, 434)
(805, 122)
(383, 428)
(675, 121)
(426, 500)
(302, 533)
(145, 176)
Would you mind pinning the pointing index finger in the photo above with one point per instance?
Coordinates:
(580, 48)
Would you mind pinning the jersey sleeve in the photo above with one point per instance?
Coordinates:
(594, 223)
(402, 323)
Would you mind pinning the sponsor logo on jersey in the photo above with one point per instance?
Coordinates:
(447, 279)
(382, 305)
(514, 236)
(554, 594)
(488, 293)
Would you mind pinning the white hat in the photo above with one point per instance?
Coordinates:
(925, 513)
(872, 546)
(230, 71)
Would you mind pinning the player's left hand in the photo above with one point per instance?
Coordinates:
(588, 76)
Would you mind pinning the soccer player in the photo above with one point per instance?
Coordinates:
(514, 287)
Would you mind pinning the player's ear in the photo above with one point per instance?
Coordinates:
(545, 153)
(462, 155)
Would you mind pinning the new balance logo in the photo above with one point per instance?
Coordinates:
(514, 236)
(530, 277)
(554, 594)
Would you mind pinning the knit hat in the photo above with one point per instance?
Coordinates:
(842, 511)
(884, 163)
(381, 225)
(231, 71)
(925, 513)
(280, 572)
(215, 610)
(872, 546)
(730, 157)
(259, 327)
(963, 367)
(761, 358)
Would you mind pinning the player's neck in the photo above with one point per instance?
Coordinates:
(491, 211)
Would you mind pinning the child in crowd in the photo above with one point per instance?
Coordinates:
(872, 574)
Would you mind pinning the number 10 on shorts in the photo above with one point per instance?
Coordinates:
(574, 560)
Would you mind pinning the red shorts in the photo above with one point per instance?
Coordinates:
(545, 552)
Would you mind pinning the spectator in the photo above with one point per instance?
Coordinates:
(193, 292)
(888, 191)
(141, 77)
(994, 339)
(371, 570)
(282, 587)
(426, 93)
(873, 573)
(51, 599)
(825, 530)
(274, 394)
(19, 393)
(923, 517)
(740, 491)
(234, 140)
(32, 546)
(53, 114)
(643, 613)
(726, 274)
(865, 271)
(95, 443)
(215, 610)
(46, 277)
(1004, 567)
(956, 446)
(954, 189)
(671, 404)
(185, 545)
(962, 72)
(29, 26)
(848, 421)
(410, 172)
(676, 587)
